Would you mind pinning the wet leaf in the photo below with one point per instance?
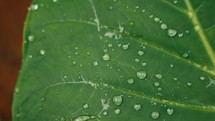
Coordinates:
(117, 60)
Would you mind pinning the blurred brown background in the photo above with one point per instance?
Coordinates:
(12, 17)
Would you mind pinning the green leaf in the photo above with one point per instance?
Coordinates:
(117, 60)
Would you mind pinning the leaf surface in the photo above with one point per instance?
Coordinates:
(121, 60)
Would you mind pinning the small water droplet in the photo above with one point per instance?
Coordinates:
(175, 78)
(151, 16)
(163, 26)
(130, 81)
(110, 45)
(144, 64)
(42, 52)
(137, 60)
(140, 53)
(106, 57)
(83, 118)
(105, 113)
(43, 99)
(117, 111)
(159, 89)
(95, 63)
(175, 1)
(125, 46)
(17, 90)
(117, 100)
(180, 35)
(137, 107)
(63, 119)
(156, 19)
(143, 11)
(131, 23)
(156, 84)
(30, 56)
(197, 27)
(190, 14)
(189, 84)
(170, 111)
(171, 32)
(33, 7)
(171, 65)
(155, 115)
(141, 74)
(202, 78)
(85, 105)
(137, 7)
(31, 38)
(55, 1)
(159, 76)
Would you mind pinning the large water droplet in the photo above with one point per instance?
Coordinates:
(141, 74)
(137, 107)
(170, 111)
(106, 57)
(117, 100)
(155, 115)
(171, 32)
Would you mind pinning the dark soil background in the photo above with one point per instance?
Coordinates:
(12, 17)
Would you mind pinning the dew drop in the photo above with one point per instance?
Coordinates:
(185, 55)
(85, 105)
(31, 38)
(106, 57)
(125, 46)
(197, 27)
(143, 11)
(117, 100)
(83, 118)
(171, 65)
(62, 119)
(33, 7)
(202, 78)
(170, 111)
(155, 115)
(159, 89)
(144, 64)
(163, 26)
(131, 23)
(42, 52)
(30, 56)
(156, 19)
(55, 1)
(137, 107)
(141, 74)
(105, 113)
(137, 60)
(140, 53)
(159, 76)
(117, 111)
(189, 84)
(180, 35)
(171, 32)
(95, 63)
(175, 1)
(156, 84)
(130, 81)
(110, 45)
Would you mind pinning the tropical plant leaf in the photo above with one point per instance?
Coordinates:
(117, 60)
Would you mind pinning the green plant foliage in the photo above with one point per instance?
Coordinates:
(117, 60)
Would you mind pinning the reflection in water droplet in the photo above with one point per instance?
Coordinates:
(141, 74)
(137, 107)
(159, 76)
(117, 111)
(163, 26)
(155, 115)
(130, 81)
(170, 111)
(106, 57)
(117, 100)
(171, 32)
(42, 52)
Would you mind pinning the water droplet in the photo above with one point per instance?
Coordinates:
(110, 45)
(175, 78)
(180, 35)
(125, 46)
(144, 64)
(189, 84)
(140, 52)
(156, 19)
(85, 105)
(17, 90)
(42, 52)
(137, 60)
(159, 89)
(74, 62)
(202, 78)
(33, 7)
(190, 14)
(170, 111)
(43, 99)
(163, 26)
(143, 11)
(155, 115)
(197, 27)
(83, 118)
(130, 81)
(55, 1)
(117, 100)
(171, 65)
(117, 111)
(31, 38)
(156, 84)
(175, 1)
(137, 107)
(185, 55)
(95, 63)
(106, 57)
(159, 76)
(137, 7)
(131, 23)
(141, 74)
(171, 32)
(30, 56)
(105, 113)
(151, 16)
(62, 119)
